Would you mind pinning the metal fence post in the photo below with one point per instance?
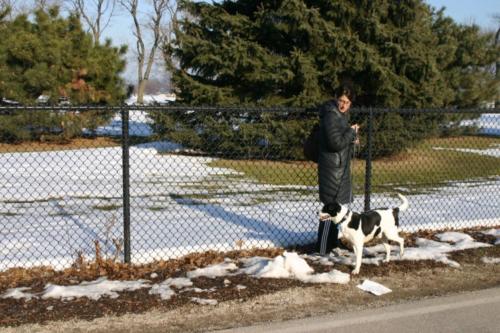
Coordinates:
(126, 184)
(368, 161)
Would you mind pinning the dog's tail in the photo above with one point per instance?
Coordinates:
(404, 205)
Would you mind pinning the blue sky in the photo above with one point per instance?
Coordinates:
(479, 12)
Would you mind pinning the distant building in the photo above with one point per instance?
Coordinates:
(64, 101)
(488, 105)
(45, 99)
(42, 99)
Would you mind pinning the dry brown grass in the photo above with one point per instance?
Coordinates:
(85, 270)
(406, 278)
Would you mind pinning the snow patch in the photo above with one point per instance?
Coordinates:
(214, 270)
(494, 233)
(164, 289)
(93, 289)
(204, 301)
(487, 123)
(494, 152)
(290, 265)
(18, 293)
(490, 260)
(427, 249)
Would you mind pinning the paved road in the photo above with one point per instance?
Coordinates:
(469, 312)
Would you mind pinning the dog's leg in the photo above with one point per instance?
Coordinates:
(387, 247)
(393, 235)
(401, 242)
(358, 252)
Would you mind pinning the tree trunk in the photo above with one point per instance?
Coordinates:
(140, 91)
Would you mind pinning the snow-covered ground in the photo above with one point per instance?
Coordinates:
(149, 99)
(139, 125)
(487, 123)
(54, 205)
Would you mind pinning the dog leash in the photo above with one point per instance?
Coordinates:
(353, 157)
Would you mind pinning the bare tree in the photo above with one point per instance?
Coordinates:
(26, 7)
(169, 27)
(8, 7)
(44, 4)
(5, 3)
(153, 23)
(96, 16)
(5, 13)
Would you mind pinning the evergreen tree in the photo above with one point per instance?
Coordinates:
(53, 56)
(3, 52)
(295, 52)
(56, 57)
(397, 54)
(466, 59)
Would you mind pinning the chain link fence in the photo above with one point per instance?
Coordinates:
(152, 183)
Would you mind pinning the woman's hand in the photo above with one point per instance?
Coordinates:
(355, 127)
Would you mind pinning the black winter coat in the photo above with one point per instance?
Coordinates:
(336, 144)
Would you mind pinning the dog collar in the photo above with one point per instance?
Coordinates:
(345, 216)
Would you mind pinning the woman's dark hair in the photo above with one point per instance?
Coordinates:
(345, 89)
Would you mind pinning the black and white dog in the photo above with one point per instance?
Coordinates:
(359, 228)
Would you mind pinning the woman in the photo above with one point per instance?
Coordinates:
(337, 138)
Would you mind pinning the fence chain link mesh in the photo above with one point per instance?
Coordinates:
(199, 179)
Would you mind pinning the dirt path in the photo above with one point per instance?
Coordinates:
(299, 302)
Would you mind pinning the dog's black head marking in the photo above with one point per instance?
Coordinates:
(332, 208)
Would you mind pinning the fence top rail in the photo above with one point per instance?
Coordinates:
(166, 108)
(426, 110)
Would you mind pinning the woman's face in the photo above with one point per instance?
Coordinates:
(344, 103)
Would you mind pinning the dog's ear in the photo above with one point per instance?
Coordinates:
(332, 208)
